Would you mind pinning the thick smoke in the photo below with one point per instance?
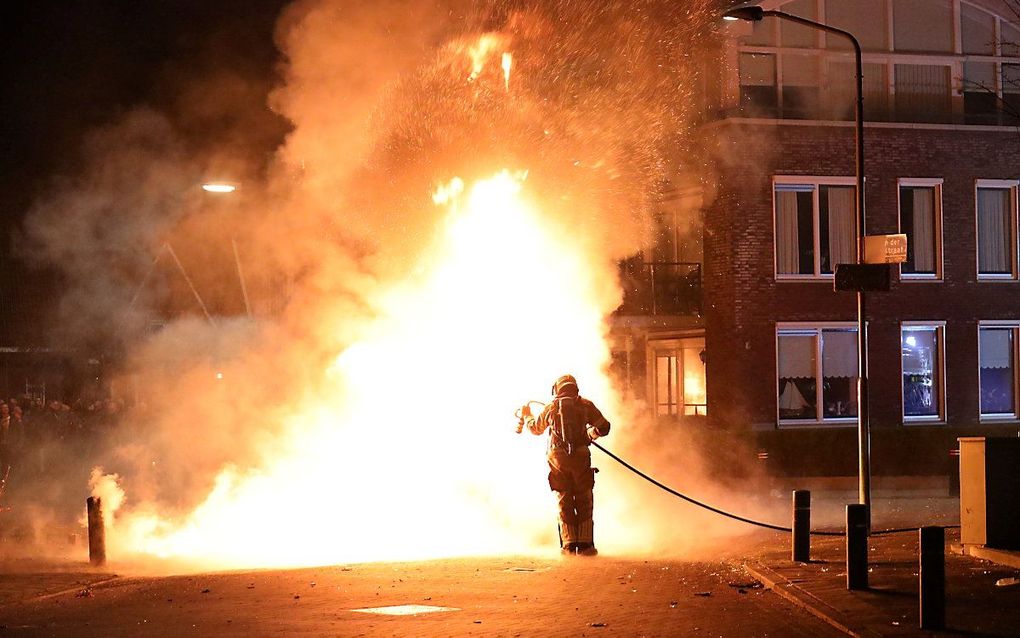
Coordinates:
(386, 101)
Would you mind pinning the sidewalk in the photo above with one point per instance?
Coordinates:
(975, 605)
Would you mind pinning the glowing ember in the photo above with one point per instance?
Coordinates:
(409, 450)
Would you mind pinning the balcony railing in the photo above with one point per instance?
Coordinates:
(661, 288)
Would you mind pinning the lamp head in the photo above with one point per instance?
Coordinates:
(748, 13)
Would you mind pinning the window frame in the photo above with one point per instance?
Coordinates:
(815, 182)
(1001, 184)
(888, 56)
(673, 346)
(940, 418)
(996, 417)
(922, 182)
(817, 327)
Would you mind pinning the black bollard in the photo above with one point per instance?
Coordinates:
(97, 531)
(801, 544)
(932, 577)
(856, 547)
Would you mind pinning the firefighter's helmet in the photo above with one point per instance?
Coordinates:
(563, 383)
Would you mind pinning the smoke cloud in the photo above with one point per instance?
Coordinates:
(385, 102)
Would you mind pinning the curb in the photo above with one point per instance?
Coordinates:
(63, 592)
(999, 556)
(806, 601)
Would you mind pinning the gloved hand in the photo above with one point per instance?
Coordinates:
(593, 433)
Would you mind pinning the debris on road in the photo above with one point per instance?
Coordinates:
(84, 593)
(703, 594)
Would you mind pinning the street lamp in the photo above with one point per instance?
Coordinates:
(219, 187)
(753, 13)
(225, 188)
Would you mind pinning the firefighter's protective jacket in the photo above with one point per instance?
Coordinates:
(573, 423)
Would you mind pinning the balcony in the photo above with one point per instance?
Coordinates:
(662, 288)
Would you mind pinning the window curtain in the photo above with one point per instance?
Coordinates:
(796, 356)
(924, 229)
(787, 237)
(842, 222)
(923, 92)
(993, 231)
(839, 353)
(996, 348)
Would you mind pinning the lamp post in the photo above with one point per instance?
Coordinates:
(753, 13)
(227, 188)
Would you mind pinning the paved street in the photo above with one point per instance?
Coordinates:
(599, 596)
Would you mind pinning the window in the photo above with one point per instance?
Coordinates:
(922, 353)
(997, 344)
(758, 84)
(920, 58)
(977, 29)
(1011, 93)
(798, 35)
(922, 93)
(815, 226)
(800, 86)
(923, 25)
(679, 376)
(980, 99)
(921, 221)
(817, 373)
(866, 19)
(996, 229)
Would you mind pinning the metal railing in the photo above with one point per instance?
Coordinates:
(661, 288)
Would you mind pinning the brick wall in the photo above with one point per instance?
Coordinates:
(743, 301)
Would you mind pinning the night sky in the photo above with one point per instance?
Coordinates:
(71, 66)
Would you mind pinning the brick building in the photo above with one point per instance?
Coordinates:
(771, 351)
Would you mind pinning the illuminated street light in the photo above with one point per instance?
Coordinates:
(753, 13)
(219, 187)
(230, 187)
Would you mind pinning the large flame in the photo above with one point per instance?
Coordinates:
(410, 451)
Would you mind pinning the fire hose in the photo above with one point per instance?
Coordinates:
(779, 528)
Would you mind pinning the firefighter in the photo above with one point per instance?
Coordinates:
(573, 423)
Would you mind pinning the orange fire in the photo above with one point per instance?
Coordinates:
(508, 62)
(409, 450)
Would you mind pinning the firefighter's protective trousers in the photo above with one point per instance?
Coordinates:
(572, 477)
(573, 422)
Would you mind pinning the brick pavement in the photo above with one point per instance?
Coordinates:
(602, 596)
(975, 605)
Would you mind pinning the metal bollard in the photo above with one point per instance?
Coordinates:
(801, 543)
(856, 546)
(932, 577)
(97, 531)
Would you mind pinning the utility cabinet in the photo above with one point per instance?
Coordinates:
(990, 492)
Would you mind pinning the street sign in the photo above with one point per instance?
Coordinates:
(861, 278)
(885, 249)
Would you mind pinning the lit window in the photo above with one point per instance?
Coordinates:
(921, 348)
(815, 228)
(817, 373)
(921, 222)
(996, 229)
(997, 354)
(679, 377)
